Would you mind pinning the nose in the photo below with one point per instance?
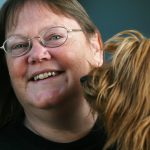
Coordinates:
(38, 53)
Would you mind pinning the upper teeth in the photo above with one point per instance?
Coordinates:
(44, 75)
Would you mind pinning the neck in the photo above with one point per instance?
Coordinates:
(64, 125)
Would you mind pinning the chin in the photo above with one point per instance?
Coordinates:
(48, 100)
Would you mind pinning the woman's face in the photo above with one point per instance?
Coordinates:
(68, 63)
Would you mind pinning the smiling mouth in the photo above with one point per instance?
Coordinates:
(45, 75)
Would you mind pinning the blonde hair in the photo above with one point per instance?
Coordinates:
(120, 91)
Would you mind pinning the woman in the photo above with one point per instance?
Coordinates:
(120, 92)
(48, 45)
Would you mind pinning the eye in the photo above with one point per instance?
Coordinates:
(19, 46)
(53, 37)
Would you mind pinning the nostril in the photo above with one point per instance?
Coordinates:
(33, 61)
(84, 79)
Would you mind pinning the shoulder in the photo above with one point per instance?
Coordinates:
(96, 138)
(6, 132)
(10, 139)
(7, 136)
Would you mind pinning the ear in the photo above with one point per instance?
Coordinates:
(96, 46)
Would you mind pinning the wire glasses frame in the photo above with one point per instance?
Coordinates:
(18, 45)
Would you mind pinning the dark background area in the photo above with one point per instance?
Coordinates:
(112, 16)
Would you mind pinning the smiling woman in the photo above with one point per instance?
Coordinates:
(44, 43)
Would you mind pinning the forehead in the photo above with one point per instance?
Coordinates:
(36, 17)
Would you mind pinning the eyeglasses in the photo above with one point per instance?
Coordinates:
(18, 45)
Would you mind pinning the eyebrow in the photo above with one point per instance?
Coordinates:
(41, 30)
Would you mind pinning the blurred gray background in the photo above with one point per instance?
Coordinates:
(112, 16)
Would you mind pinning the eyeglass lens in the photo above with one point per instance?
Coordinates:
(18, 45)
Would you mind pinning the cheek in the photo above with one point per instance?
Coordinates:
(77, 62)
(17, 71)
(16, 68)
(75, 52)
(76, 57)
(72, 59)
